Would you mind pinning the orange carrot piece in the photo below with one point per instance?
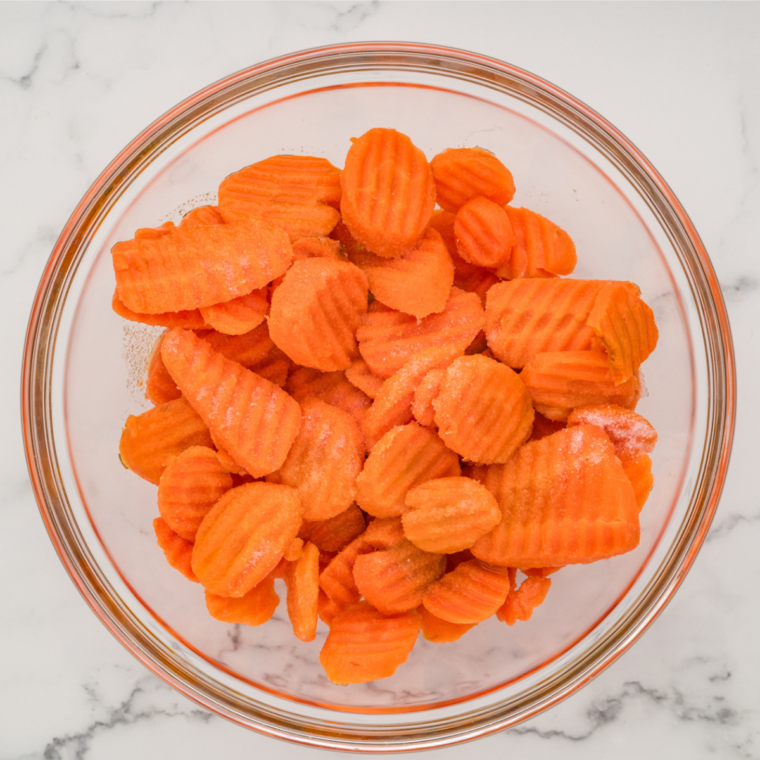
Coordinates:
(443, 223)
(316, 312)
(520, 604)
(639, 472)
(327, 609)
(238, 316)
(335, 533)
(629, 432)
(564, 499)
(296, 220)
(294, 551)
(483, 410)
(360, 376)
(424, 395)
(255, 421)
(483, 233)
(302, 579)
(159, 386)
(275, 367)
(254, 608)
(388, 192)
(439, 631)
(337, 578)
(176, 549)
(153, 233)
(248, 349)
(473, 279)
(540, 572)
(202, 216)
(190, 320)
(152, 439)
(543, 426)
(318, 247)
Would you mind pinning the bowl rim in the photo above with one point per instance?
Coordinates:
(95, 204)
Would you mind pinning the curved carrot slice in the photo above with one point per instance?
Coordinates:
(543, 426)
(473, 279)
(424, 395)
(335, 533)
(248, 349)
(255, 421)
(639, 472)
(238, 316)
(361, 376)
(629, 432)
(483, 233)
(302, 579)
(388, 192)
(337, 578)
(202, 216)
(296, 220)
(317, 248)
(153, 233)
(176, 549)
(190, 320)
(440, 631)
(520, 604)
(385, 533)
(254, 608)
(327, 609)
(159, 386)
(443, 223)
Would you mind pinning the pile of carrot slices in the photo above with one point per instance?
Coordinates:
(391, 407)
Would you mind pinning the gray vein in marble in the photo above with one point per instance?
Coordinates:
(349, 19)
(45, 237)
(27, 80)
(738, 288)
(725, 527)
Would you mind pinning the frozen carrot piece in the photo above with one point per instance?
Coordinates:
(385, 533)
(564, 499)
(629, 432)
(294, 551)
(244, 536)
(395, 579)
(472, 278)
(443, 223)
(520, 604)
(337, 578)
(639, 472)
(625, 325)
(199, 266)
(302, 579)
(189, 487)
(418, 282)
(202, 216)
(388, 339)
(190, 320)
(543, 426)
(404, 457)
(254, 608)
(176, 549)
(248, 349)
(360, 376)
(388, 192)
(296, 220)
(316, 312)
(427, 390)
(464, 173)
(365, 645)
(449, 515)
(440, 631)
(324, 460)
(239, 315)
(275, 367)
(348, 244)
(159, 386)
(483, 233)
(469, 594)
(152, 439)
(337, 532)
(560, 381)
(318, 248)
(255, 421)
(540, 572)
(153, 233)
(483, 410)
(327, 609)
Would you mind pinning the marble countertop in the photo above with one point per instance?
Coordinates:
(78, 81)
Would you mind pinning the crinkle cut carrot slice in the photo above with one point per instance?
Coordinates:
(626, 327)
(404, 457)
(190, 320)
(360, 376)
(483, 233)
(317, 248)
(443, 223)
(520, 604)
(483, 410)
(418, 282)
(152, 439)
(275, 367)
(388, 192)
(639, 472)
(254, 608)
(244, 536)
(326, 457)
(248, 349)
(254, 420)
(239, 315)
(189, 487)
(202, 216)
(388, 339)
(342, 236)
(543, 426)
(365, 645)
(159, 386)
(449, 515)
(540, 572)
(176, 549)
(296, 220)
(564, 499)
(316, 312)
(199, 266)
(327, 609)
(440, 631)
(560, 381)
(473, 279)
(153, 233)
(531, 316)
(465, 173)
(427, 390)
(335, 533)
(302, 579)
(385, 533)
(629, 432)
(337, 578)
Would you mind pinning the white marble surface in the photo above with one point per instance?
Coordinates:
(78, 81)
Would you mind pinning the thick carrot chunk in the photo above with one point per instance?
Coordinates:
(254, 608)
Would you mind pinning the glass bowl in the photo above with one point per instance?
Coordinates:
(84, 368)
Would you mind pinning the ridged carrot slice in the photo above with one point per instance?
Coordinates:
(324, 460)
(318, 248)
(254, 420)
(152, 439)
(483, 410)
(388, 192)
(520, 604)
(639, 472)
(365, 645)
(564, 499)
(443, 223)
(153, 233)
(629, 432)
(483, 233)
(626, 327)
(189, 487)
(427, 390)
(543, 426)
(190, 320)
(159, 386)
(302, 579)
(472, 278)
(248, 349)
(469, 594)
(388, 339)
(337, 579)
(404, 457)
(199, 266)
(385, 533)
(177, 550)
(244, 536)
(239, 315)
(440, 631)
(327, 609)
(465, 173)
(418, 282)
(560, 381)
(202, 216)
(532, 316)
(335, 533)
(361, 376)
(296, 220)
(254, 608)
(449, 515)
(394, 580)
(316, 312)
(349, 245)
(275, 367)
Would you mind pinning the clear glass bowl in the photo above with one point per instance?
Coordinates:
(84, 367)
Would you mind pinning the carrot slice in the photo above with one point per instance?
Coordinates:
(361, 376)
(335, 533)
(564, 499)
(153, 233)
(302, 579)
(388, 192)
(152, 439)
(176, 549)
(337, 578)
(317, 248)
(472, 278)
(385, 533)
(520, 604)
(159, 386)
(388, 339)
(483, 233)
(239, 315)
(199, 266)
(296, 220)
(254, 608)
(294, 551)
(202, 216)
(244, 536)
(327, 609)
(190, 320)
(639, 472)
(443, 223)
(248, 349)
(440, 631)
(483, 410)
(543, 426)
(316, 312)
(255, 421)
(275, 367)
(629, 432)
(424, 395)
